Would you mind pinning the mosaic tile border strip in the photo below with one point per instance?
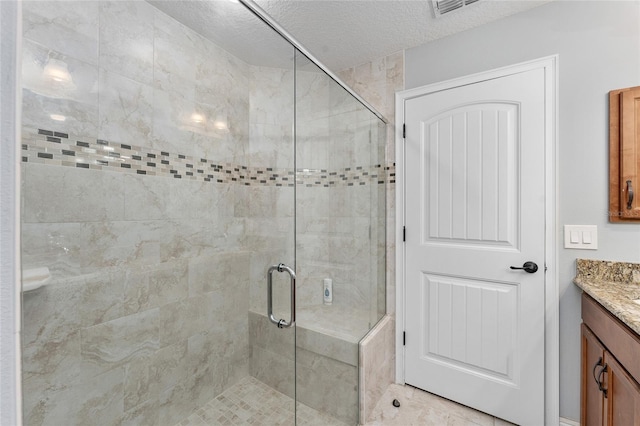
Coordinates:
(57, 148)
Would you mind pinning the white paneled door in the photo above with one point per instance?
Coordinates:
(475, 207)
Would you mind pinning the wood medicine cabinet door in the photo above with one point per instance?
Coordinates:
(624, 150)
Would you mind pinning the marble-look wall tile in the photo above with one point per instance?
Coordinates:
(184, 126)
(312, 95)
(122, 340)
(341, 102)
(56, 366)
(146, 199)
(67, 304)
(377, 82)
(153, 286)
(60, 92)
(313, 147)
(376, 365)
(370, 82)
(99, 397)
(78, 248)
(394, 82)
(178, 124)
(328, 386)
(169, 366)
(70, 249)
(174, 57)
(342, 142)
(150, 291)
(325, 367)
(221, 78)
(327, 345)
(271, 146)
(51, 73)
(196, 201)
(138, 382)
(222, 270)
(144, 414)
(264, 334)
(270, 202)
(341, 251)
(175, 403)
(201, 95)
(181, 319)
(272, 354)
(271, 95)
(347, 76)
(61, 194)
(126, 109)
(273, 370)
(69, 27)
(126, 39)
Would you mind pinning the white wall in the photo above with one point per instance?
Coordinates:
(598, 43)
(9, 306)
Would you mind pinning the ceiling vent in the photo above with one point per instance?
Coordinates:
(442, 7)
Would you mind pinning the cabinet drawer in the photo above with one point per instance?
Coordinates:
(617, 337)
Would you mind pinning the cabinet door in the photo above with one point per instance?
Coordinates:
(623, 395)
(630, 153)
(591, 413)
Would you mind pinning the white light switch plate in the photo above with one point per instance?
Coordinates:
(583, 237)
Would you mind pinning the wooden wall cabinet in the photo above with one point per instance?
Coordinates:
(610, 370)
(624, 155)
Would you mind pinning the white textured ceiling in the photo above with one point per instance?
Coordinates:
(345, 33)
(340, 33)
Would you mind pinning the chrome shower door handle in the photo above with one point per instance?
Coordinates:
(281, 323)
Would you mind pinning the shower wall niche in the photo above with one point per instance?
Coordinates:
(162, 175)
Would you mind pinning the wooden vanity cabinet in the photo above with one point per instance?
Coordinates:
(610, 369)
(623, 395)
(592, 406)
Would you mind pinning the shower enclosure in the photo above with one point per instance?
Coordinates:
(188, 170)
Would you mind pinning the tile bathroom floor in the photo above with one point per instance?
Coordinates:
(418, 407)
(251, 402)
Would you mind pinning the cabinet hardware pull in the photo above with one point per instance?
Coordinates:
(600, 387)
(629, 195)
(593, 373)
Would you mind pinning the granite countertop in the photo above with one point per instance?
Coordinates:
(615, 285)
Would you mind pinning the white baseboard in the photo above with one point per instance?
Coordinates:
(567, 422)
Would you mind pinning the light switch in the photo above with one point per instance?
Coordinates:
(575, 237)
(584, 237)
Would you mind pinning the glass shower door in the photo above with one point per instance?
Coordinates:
(158, 190)
(340, 241)
(270, 238)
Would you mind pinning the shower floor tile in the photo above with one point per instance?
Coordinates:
(251, 402)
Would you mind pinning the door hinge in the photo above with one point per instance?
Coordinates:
(404, 234)
(404, 338)
(404, 131)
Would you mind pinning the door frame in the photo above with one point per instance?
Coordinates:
(552, 323)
